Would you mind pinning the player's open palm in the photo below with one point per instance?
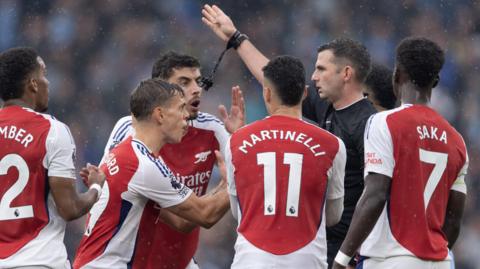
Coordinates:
(218, 21)
(236, 118)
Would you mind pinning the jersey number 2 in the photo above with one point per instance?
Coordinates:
(440, 161)
(268, 160)
(19, 212)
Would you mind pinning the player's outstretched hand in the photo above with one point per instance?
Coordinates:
(92, 174)
(218, 21)
(337, 266)
(236, 118)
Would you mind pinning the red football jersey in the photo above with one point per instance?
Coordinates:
(33, 147)
(134, 176)
(426, 158)
(191, 162)
(279, 169)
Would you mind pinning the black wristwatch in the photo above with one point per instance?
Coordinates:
(236, 39)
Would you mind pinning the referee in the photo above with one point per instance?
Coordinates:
(337, 103)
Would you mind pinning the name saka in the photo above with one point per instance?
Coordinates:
(281, 135)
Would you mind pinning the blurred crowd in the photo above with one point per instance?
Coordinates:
(97, 51)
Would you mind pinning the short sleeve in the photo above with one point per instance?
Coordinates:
(378, 146)
(158, 184)
(60, 157)
(232, 190)
(336, 174)
(122, 129)
(210, 122)
(222, 137)
(459, 184)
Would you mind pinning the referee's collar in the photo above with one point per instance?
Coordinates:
(347, 106)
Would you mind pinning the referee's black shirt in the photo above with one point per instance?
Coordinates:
(348, 124)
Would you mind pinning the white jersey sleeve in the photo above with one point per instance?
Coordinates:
(336, 174)
(232, 190)
(378, 146)
(157, 183)
(210, 122)
(122, 130)
(459, 184)
(60, 157)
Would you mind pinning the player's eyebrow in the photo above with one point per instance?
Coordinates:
(184, 79)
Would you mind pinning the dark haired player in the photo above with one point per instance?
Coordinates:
(136, 174)
(37, 172)
(410, 213)
(285, 178)
(336, 102)
(191, 162)
(379, 88)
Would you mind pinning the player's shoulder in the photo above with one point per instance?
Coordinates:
(209, 122)
(124, 153)
(124, 120)
(205, 120)
(383, 116)
(30, 114)
(56, 126)
(149, 162)
(123, 123)
(121, 129)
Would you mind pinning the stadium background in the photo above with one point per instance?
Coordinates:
(97, 51)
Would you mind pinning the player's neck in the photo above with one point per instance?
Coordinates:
(149, 135)
(18, 102)
(411, 94)
(293, 112)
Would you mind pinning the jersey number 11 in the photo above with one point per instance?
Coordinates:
(268, 160)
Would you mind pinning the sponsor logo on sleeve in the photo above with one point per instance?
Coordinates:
(373, 159)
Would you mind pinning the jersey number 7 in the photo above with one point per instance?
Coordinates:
(440, 161)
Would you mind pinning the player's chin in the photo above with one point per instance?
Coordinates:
(193, 114)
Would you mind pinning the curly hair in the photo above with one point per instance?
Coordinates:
(422, 60)
(379, 80)
(16, 65)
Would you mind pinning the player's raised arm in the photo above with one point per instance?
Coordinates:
(224, 28)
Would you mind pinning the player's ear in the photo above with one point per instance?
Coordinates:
(158, 115)
(348, 73)
(267, 94)
(32, 85)
(305, 92)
